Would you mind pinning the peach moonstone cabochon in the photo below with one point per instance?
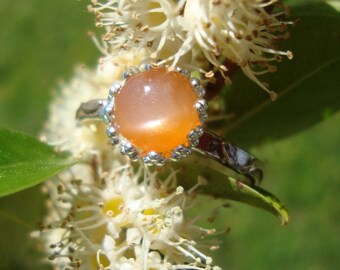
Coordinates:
(155, 110)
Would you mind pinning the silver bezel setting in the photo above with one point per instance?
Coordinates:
(152, 157)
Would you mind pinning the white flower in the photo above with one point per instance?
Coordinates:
(141, 24)
(122, 219)
(244, 32)
(241, 31)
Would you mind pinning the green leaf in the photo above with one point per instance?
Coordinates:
(25, 161)
(307, 85)
(224, 183)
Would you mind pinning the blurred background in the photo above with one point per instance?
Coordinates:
(41, 42)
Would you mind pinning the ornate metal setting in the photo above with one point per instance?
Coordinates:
(199, 139)
(104, 109)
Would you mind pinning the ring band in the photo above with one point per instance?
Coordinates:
(230, 155)
(198, 139)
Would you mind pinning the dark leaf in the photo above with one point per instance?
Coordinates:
(307, 85)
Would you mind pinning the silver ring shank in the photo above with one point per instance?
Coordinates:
(229, 155)
(209, 144)
(93, 109)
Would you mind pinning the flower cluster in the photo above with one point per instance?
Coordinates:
(197, 34)
(125, 220)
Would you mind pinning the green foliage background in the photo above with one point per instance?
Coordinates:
(42, 41)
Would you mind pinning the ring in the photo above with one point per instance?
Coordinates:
(158, 115)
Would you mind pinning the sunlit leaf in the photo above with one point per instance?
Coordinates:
(223, 183)
(25, 161)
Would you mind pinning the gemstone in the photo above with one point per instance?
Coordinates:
(155, 110)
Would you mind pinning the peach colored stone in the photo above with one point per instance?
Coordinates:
(155, 110)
